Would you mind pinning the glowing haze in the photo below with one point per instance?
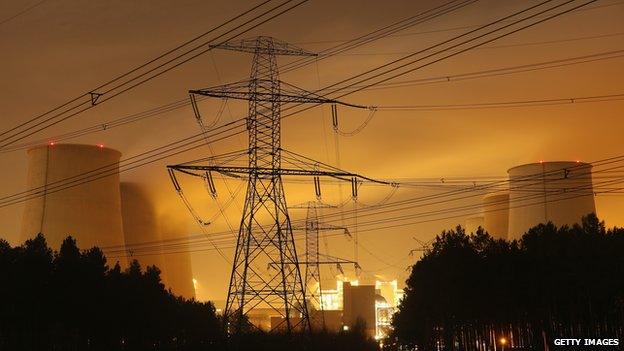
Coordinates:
(61, 49)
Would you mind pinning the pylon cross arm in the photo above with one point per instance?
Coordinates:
(269, 172)
(287, 93)
(260, 96)
(264, 45)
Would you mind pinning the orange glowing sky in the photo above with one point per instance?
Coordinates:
(63, 48)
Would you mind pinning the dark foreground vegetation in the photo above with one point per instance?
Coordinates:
(71, 300)
(470, 292)
(353, 340)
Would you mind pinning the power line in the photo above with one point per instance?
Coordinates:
(336, 89)
(381, 74)
(366, 36)
(11, 203)
(167, 108)
(375, 35)
(22, 12)
(105, 126)
(573, 191)
(515, 189)
(504, 70)
(450, 29)
(502, 46)
(380, 33)
(505, 104)
(106, 92)
(383, 78)
(424, 199)
(426, 214)
(133, 162)
(538, 177)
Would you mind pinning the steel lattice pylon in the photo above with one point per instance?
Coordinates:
(265, 231)
(265, 237)
(313, 268)
(314, 259)
(282, 290)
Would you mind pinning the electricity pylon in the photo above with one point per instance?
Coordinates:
(313, 258)
(265, 235)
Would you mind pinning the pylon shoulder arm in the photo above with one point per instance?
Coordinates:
(260, 171)
(288, 93)
(263, 45)
(269, 172)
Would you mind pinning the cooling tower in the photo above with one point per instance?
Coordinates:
(177, 254)
(140, 226)
(473, 223)
(559, 192)
(88, 211)
(496, 215)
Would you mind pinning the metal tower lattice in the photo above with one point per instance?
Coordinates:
(265, 237)
(265, 194)
(313, 268)
(314, 259)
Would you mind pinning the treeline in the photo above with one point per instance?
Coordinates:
(473, 292)
(72, 300)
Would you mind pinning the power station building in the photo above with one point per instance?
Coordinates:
(352, 303)
(76, 191)
(560, 192)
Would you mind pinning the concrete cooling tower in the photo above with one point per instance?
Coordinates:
(559, 192)
(496, 214)
(88, 211)
(140, 226)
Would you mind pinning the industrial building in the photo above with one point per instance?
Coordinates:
(346, 307)
(560, 192)
(78, 193)
(358, 306)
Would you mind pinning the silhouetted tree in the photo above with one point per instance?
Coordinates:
(468, 291)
